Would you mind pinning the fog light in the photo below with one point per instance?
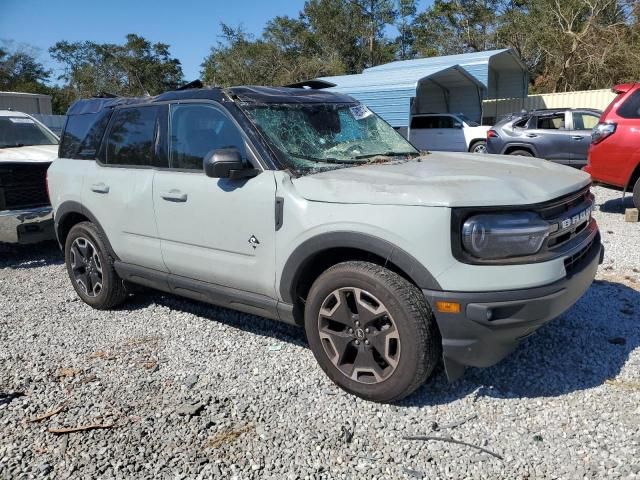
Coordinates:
(448, 307)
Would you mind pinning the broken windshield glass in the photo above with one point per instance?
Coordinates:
(316, 137)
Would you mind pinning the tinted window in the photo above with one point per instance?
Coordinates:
(132, 137)
(522, 123)
(631, 107)
(446, 122)
(425, 122)
(82, 135)
(197, 130)
(551, 122)
(21, 131)
(584, 120)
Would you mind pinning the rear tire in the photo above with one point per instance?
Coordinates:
(371, 331)
(479, 146)
(636, 194)
(521, 153)
(90, 268)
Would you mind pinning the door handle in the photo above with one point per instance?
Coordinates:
(577, 137)
(174, 196)
(531, 135)
(100, 188)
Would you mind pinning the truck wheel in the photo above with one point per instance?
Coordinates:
(636, 194)
(371, 331)
(521, 153)
(479, 146)
(91, 269)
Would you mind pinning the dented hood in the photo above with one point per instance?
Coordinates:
(33, 153)
(446, 180)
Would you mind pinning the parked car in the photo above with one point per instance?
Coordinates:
(447, 132)
(559, 135)
(614, 155)
(305, 207)
(27, 148)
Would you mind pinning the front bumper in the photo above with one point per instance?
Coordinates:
(490, 325)
(26, 226)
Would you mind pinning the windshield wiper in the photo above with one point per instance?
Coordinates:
(326, 160)
(389, 155)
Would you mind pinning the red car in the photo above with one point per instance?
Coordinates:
(614, 154)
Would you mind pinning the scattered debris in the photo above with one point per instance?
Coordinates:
(49, 414)
(452, 440)
(347, 434)
(190, 409)
(413, 473)
(631, 215)
(190, 381)
(227, 436)
(83, 428)
(537, 438)
(276, 347)
(68, 372)
(8, 397)
(102, 355)
(617, 340)
(436, 427)
(625, 384)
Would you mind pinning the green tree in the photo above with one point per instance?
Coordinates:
(137, 67)
(21, 71)
(406, 39)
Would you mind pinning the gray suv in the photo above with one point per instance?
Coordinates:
(304, 206)
(559, 135)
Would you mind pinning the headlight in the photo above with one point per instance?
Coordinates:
(504, 235)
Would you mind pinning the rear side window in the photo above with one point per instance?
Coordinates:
(82, 135)
(551, 122)
(631, 107)
(133, 137)
(522, 123)
(584, 120)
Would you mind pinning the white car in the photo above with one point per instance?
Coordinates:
(27, 148)
(305, 207)
(447, 132)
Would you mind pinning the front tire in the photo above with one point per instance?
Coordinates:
(521, 153)
(371, 331)
(90, 268)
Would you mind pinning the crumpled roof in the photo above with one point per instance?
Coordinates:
(248, 94)
(253, 94)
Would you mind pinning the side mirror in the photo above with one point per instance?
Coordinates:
(457, 125)
(227, 163)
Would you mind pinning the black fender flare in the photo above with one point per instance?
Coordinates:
(71, 206)
(527, 146)
(307, 250)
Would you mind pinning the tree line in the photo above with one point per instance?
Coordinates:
(566, 45)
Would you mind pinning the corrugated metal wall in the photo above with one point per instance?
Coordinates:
(26, 102)
(599, 99)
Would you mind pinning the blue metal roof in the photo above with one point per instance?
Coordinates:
(387, 89)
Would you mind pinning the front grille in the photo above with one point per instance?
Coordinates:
(569, 217)
(571, 262)
(23, 186)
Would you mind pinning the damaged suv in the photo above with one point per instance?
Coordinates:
(305, 207)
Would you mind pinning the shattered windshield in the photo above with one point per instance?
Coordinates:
(315, 137)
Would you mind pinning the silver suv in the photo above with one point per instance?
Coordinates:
(303, 206)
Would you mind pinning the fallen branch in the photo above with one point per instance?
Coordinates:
(83, 428)
(50, 414)
(451, 440)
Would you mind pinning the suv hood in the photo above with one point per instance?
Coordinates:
(446, 180)
(32, 153)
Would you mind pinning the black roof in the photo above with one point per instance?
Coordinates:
(249, 94)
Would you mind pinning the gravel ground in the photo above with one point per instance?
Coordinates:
(193, 391)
